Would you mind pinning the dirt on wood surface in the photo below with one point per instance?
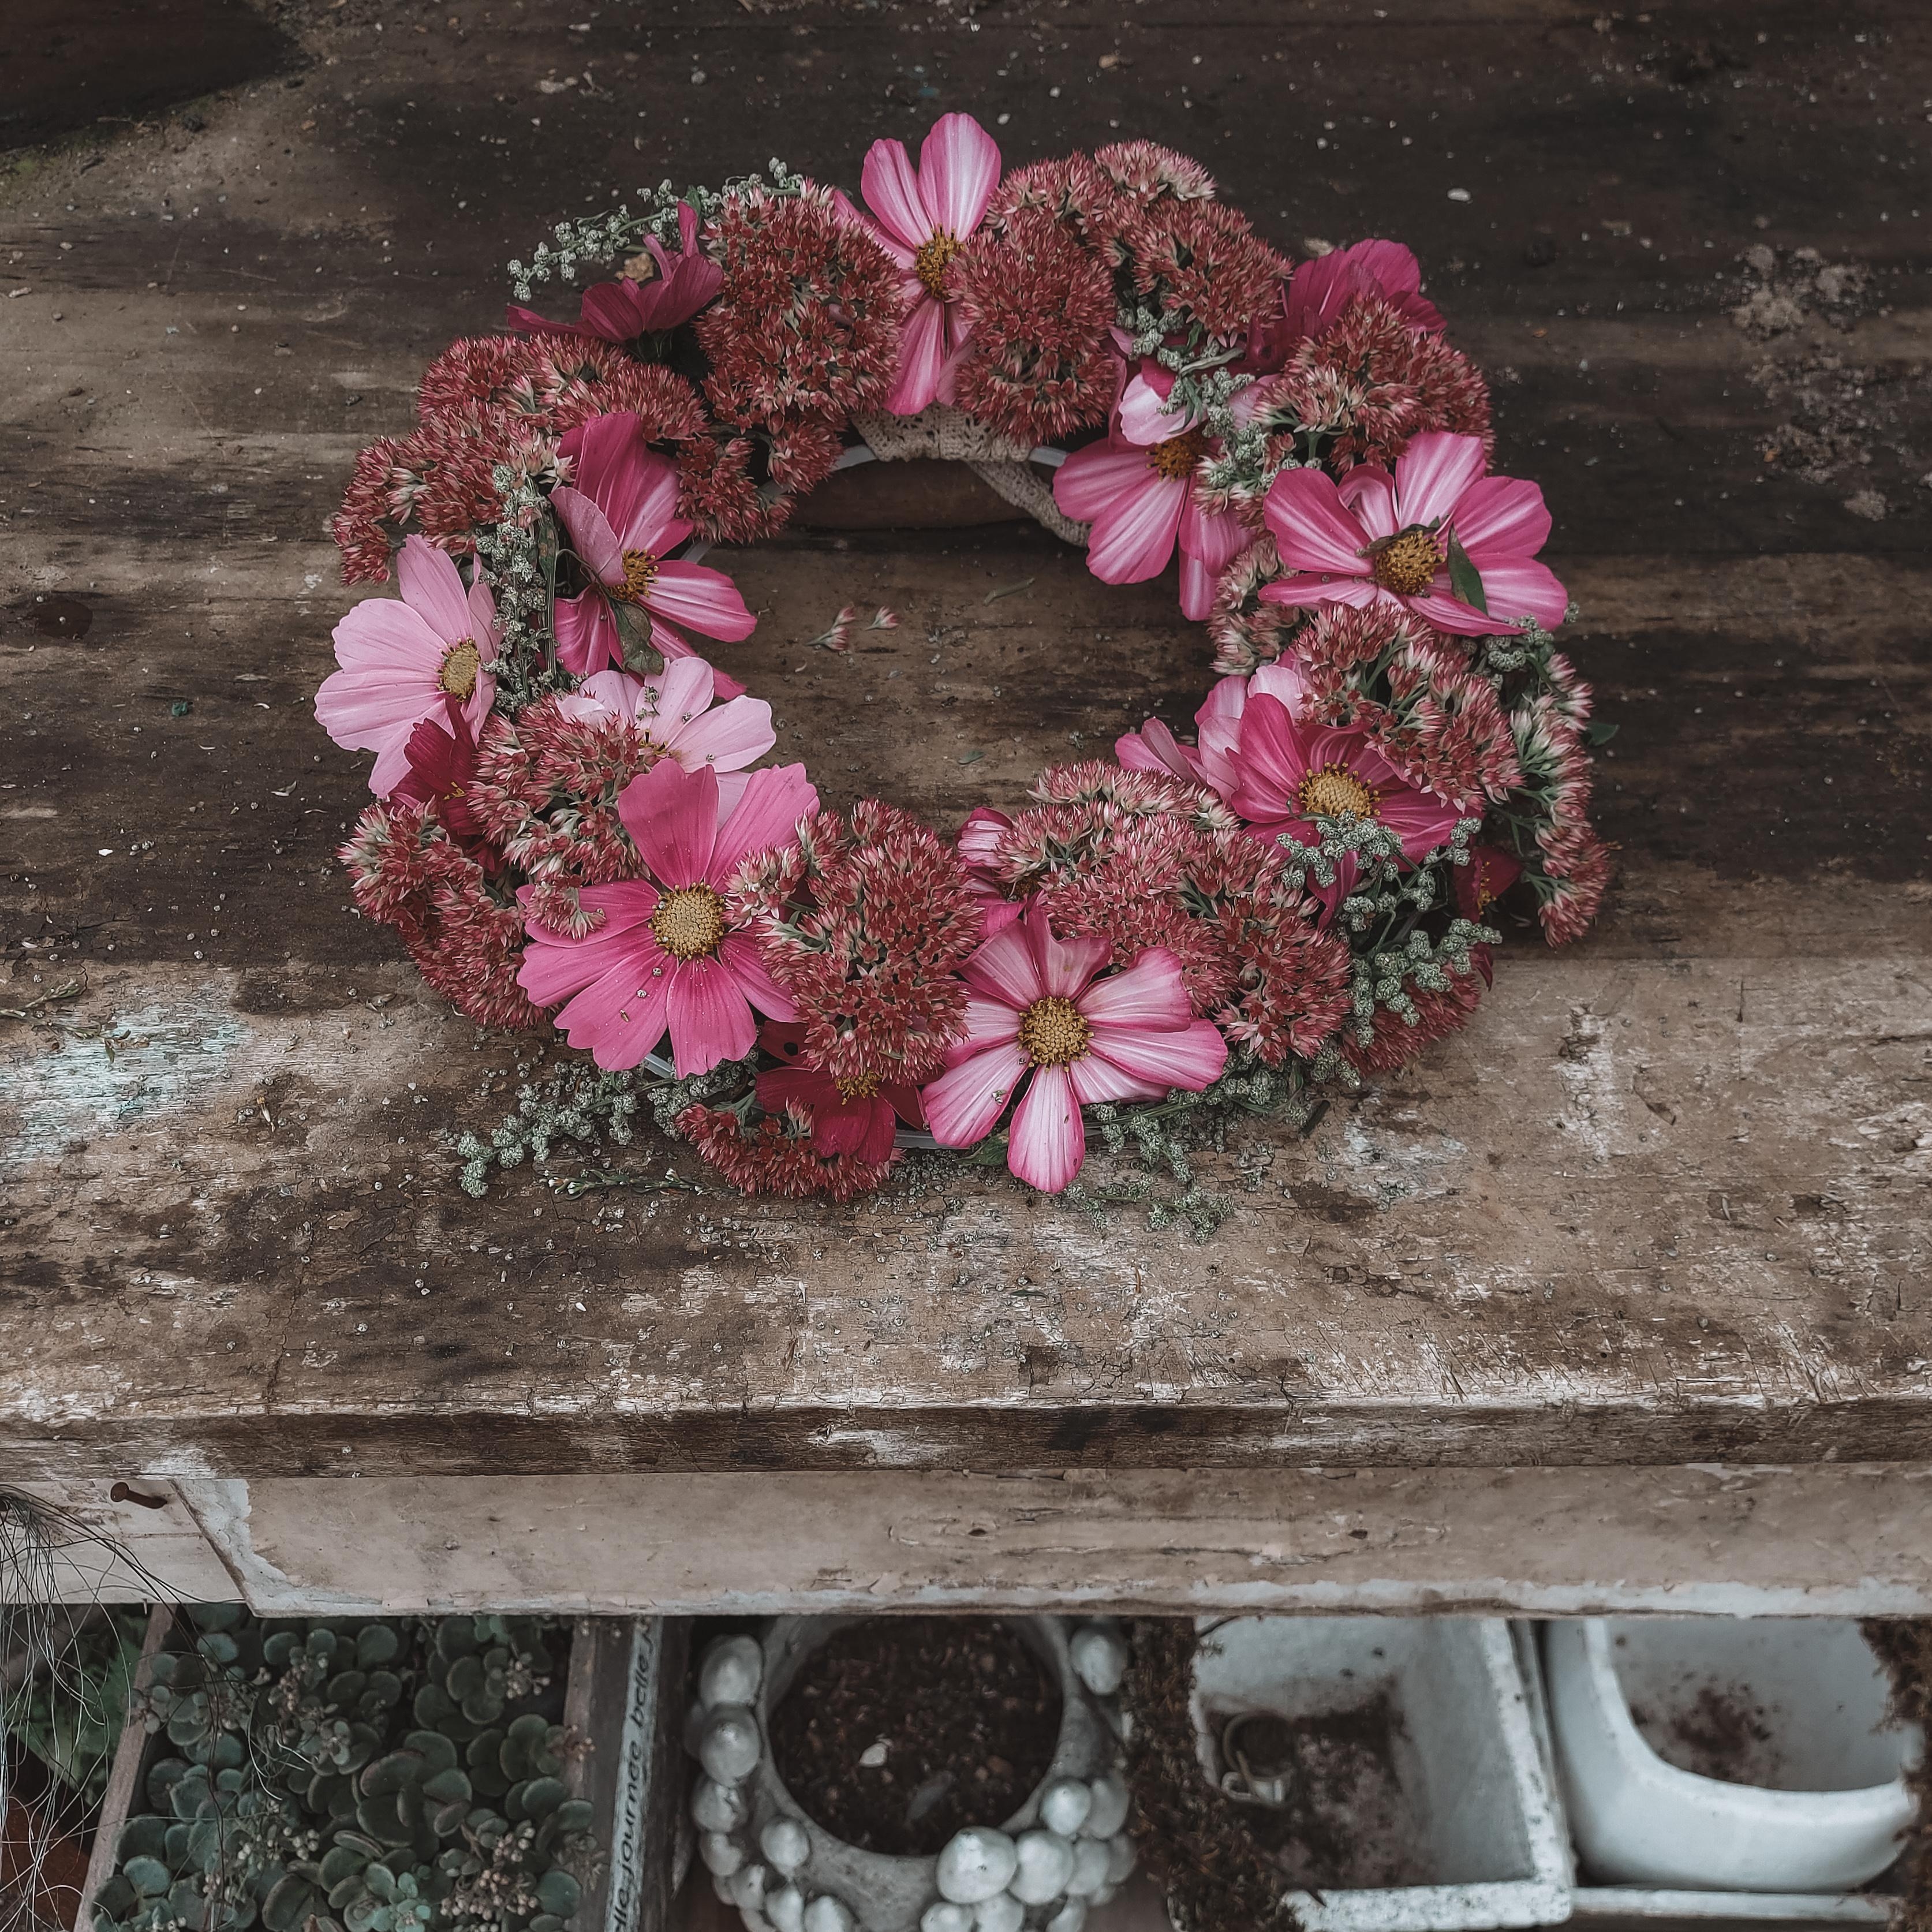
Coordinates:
(1215, 1873)
(1904, 1647)
(900, 1731)
(1348, 1821)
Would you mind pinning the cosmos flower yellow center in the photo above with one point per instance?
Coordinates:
(930, 258)
(1333, 790)
(1053, 1032)
(462, 665)
(860, 1087)
(689, 922)
(1176, 457)
(640, 572)
(1407, 564)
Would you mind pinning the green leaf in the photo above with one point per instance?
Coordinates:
(376, 1643)
(1600, 732)
(343, 1860)
(542, 1796)
(381, 1881)
(1465, 581)
(291, 1901)
(216, 1616)
(446, 1786)
(149, 1876)
(435, 1750)
(143, 1837)
(465, 1678)
(218, 1647)
(575, 1814)
(557, 1892)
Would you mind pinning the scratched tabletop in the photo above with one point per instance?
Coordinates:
(1664, 1201)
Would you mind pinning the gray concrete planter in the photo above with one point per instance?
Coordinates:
(1065, 1849)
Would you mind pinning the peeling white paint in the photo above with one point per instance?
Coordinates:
(163, 1059)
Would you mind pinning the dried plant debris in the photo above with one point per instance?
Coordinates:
(1905, 1649)
(1214, 1874)
(1841, 415)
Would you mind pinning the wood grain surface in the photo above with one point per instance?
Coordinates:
(1665, 1201)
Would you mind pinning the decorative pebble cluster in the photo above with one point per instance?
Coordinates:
(1044, 1879)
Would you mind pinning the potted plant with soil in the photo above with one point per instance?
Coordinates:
(913, 1774)
(1343, 1775)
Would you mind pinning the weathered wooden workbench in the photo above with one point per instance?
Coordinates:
(1662, 1208)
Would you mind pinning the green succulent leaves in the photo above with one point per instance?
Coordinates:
(329, 1777)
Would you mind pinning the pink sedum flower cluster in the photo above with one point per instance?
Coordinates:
(574, 825)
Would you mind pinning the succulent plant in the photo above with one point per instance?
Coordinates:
(332, 1776)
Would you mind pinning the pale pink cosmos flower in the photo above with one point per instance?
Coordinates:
(401, 662)
(1378, 539)
(1036, 1016)
(1210, 761)
(677, 712)
(1136, 489)
(978, 846)
(921, 216)
(621, 310)
(622, 515)
(666, 956)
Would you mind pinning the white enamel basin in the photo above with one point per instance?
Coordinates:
(1727, 1754)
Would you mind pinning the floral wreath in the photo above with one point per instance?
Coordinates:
(572, 827)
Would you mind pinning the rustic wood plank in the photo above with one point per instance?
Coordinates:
(1665, 1201)
(124, 1775)
(1845, 1540)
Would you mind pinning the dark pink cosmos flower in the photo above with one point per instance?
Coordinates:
(621, 516)
(666, 955)
(1290, 773)
(1490, 873)
(1041, 1018)
(857, 1116)
(1374, 538)
(922, 216)
(622, 310)
(441, 756)
(1323, 285)
(1210, 761)
(1136, 489)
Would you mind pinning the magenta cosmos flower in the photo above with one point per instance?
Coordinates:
(1136, 489)
(622, 310)
(622, 515)
(1378, 539)
(860, 1117)
(1290, 772)
(921, 216)
(401, 662)
(1210, 761)
(1037, 1017)
(678, 714)
(666, 956)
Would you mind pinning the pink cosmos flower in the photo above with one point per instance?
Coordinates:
(1374, 538)
(1291, 773)
(1490, 873)
(978, 841)
(677, 714)
(622, 310)
(666, 955)
(622, 515)
(401, 662)
(1136, 489)
(1038, 1016)
(1210, 761)
(921, 217)
(859, 1116)
(1321, 289)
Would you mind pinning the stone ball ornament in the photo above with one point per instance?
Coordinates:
(1065, 1850)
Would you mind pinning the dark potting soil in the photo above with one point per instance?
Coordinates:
(901, 1730)
(1348, 1822)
